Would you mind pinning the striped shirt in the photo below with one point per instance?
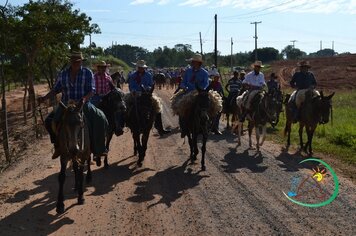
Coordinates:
(103, 83)
(234, 85)
(83, 84)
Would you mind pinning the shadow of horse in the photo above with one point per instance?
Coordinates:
(290, 162)
(169, 184)
(234, 161)
(37, 216)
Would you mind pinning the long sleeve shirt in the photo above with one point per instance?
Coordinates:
(136, 80)
(103, 83)
(193, 79)
(302, 80)
(254, 80)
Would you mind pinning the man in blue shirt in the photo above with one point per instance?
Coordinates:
(194, 77)
(142, 78)
(77, 83)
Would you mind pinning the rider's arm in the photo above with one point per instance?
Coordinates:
(292, 82)
(313, 80)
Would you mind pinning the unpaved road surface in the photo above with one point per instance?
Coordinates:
(240, 193)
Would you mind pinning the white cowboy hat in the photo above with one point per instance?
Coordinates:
(257, 63)
(215, 74)
(141, 64)
(197, 57)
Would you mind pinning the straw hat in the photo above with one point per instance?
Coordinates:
(257, 63)
(304, 64)
(197, 57)
(141, 64)
(102, 64)
(76, 56)
(242, 72)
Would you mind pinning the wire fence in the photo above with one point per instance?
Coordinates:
(18, 134)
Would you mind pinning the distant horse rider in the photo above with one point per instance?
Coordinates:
(303, 81)
(215, 85)
(255, 82)
(194, 77)
(233, 87)
(142, 78)
(77, 83)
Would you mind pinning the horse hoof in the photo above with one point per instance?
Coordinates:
(60, 208)
(203, 168)
(80, 200)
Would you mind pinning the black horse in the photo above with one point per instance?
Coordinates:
(315, 110)
(198, 122)
(278, 96)
(140, 118)
(114, 108)
(73, 136)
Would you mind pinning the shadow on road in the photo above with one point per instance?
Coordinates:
(234, 161)
(169, 184)
(38, 217)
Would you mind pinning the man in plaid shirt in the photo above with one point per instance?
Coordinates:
(76, 83)
(103, 83)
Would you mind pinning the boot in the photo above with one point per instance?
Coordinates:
(159, 126)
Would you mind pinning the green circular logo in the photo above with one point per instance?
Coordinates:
(318, 175)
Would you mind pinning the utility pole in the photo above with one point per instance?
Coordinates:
(321, 45)
(255, 23)
(293, 41)
(90, 50)
(201, 44)
(332, 47)
(232, 43)
(216, 41)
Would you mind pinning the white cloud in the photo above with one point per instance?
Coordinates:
(138, 2)
(97, 10)
(194, 3)
(163, 2)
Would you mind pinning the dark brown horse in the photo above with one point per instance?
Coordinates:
(73, 136)
(114, 108)
(140, 118)
(198, 123)
(315, 110)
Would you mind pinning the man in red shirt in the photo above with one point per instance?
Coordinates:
(103, 83)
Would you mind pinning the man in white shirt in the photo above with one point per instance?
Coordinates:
(254, 81)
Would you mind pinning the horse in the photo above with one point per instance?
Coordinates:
(160, 80)
(264, 110)
(230, 107)
(199, 123)
(74, 144)
(140, 119)
(278, 96)
(113, 106)
(315, 110)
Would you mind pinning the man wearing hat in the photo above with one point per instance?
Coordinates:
(195, 76)
(233, 86)
(142, 78)
(302, 80)
(254, 81)
(216, 86)
(76, 83)
(272, 84)
(103, 83)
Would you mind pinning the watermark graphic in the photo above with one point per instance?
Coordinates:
(312, 187)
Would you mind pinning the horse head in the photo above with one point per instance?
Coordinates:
(201, 110)
(324, 105)
(72, 124)
(271, 107)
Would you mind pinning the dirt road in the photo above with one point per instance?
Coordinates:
(240, 193)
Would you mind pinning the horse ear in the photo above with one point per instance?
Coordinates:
(321, 94)
(62, 105)
(330, 96)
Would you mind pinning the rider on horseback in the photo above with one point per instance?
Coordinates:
(194, 77)
(143, 79)
(215, 85)
(233, 87)
(76, 83)
(302, 81)
(255, 82)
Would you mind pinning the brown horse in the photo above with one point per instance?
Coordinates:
(74, 144)
(315, 110)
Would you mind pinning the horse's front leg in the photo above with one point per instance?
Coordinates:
(257, 129)
(79, 181)
(287, 131)
(61, 180)
(203, 149)
(310, 138)
(144, 142)
(239, 131)
(191, 147)
(301, 126)
(227, 120)
(136, 137)
(89, 175)
(107, 145)
(263, 134)
(195, 145)
(250, 128)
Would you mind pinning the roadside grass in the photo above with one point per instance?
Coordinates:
(337, 138)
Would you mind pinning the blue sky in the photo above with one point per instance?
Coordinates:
(157, 23)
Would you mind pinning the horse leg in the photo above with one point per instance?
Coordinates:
(61, 180)
(195, 146)
(89, 176)
(144, 144)
(250, 128)
(301, 136)
(191, 147)
(135, 144)
(257, 129)
(75, 169)
(227, 120)
(263, 135)
(138, 148)
(239, 126)
(79, 182)
(203, 149)
(107, 145)
(287, 131)
(310, 139)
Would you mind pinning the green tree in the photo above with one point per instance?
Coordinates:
(292, 53)
(266, 55)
